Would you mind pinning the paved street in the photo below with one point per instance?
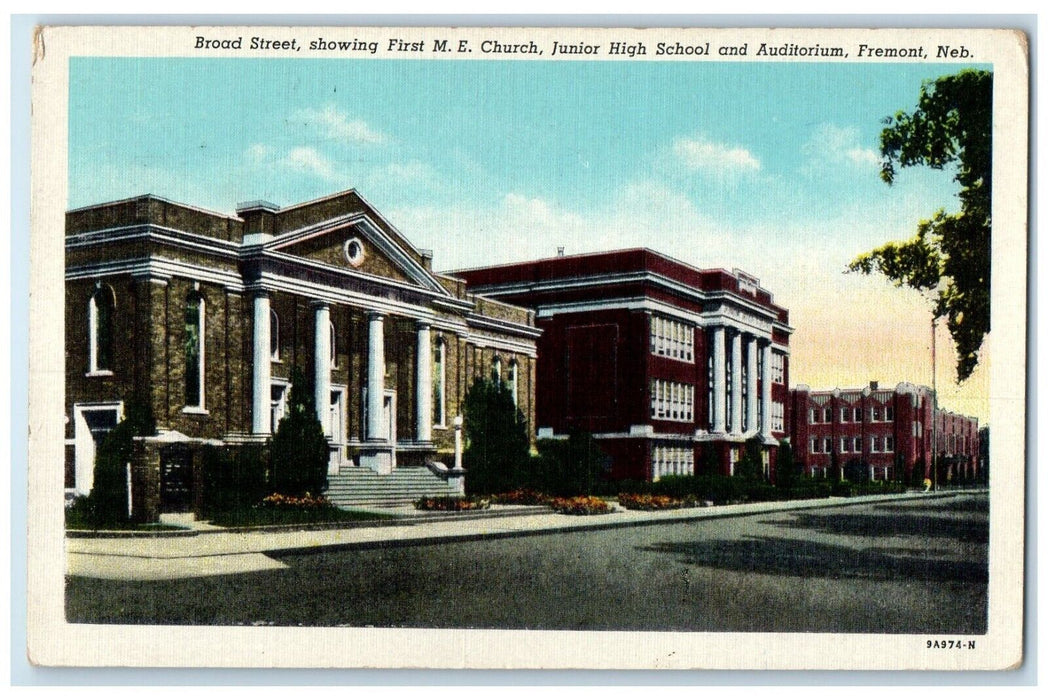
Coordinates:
(914, 566)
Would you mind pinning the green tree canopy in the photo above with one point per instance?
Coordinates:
(950, 254)
(497, 437)
(299, 452)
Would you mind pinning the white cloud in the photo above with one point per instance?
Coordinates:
(704, 155)
(840, 144)
(337, 125)
(308, 160)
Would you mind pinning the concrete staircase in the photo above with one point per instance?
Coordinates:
(360, 486)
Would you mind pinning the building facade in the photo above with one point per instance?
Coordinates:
(887, 433)
(204, 318)
(670, 367)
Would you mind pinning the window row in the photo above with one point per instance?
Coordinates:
(778, 368)
(851, 414)
(778, 417)
(672, 400)
(672, 339)
(672, 460)
(852, 444)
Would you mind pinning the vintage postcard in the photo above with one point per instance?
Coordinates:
(464, 347)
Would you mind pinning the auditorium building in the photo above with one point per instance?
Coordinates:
(202, 317)
(672, 368)
(888, 433)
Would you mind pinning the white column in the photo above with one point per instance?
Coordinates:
(424, 385)
(766, 390)
(751, 385)
(260, 376)
(719, 380)
(736, 383)
(376, 430)
(322, 363)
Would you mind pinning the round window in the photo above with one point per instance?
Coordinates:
(354, 250)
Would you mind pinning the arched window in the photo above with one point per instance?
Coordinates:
(334, 345)
(194, 351)
(100, 330)
(513, 377)
(496, 369)
(274, 336)
(439, 383)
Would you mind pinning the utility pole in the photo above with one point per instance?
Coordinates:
(935, 411)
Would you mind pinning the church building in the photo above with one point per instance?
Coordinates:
(203, 317)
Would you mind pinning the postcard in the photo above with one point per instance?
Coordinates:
(528, 348)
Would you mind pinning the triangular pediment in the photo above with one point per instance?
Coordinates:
(358, 242)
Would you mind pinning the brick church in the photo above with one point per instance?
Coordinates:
(202, 316)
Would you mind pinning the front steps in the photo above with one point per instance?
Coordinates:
(360, 486)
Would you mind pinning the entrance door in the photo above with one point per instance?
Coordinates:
(176, 480)
(92, 425)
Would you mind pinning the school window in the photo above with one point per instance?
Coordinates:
(778, 416)
(827, 445)
(671, 460)
(857, 415)
(814, 445)
(857, 446)
(845, 413)
(889, 413)
(827, 415)
(778, 362)
(672, 401)
(844, 444)
(875, 414)
(673, 339)
(889, 444)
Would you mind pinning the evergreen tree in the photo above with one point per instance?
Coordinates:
(497, 438)
(107, 503)
(299, 452)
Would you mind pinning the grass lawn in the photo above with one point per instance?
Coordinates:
(248, 517)
(75, 521)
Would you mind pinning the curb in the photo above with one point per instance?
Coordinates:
(703, 514)
(652, 518)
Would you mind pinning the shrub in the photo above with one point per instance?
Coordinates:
(299, 452)
(107, 503)
(844, 488)
(570, 467)
(581, 505)
(451, 503)
(497, 449)
(635, 501)
(751, 466)
(234, 477)
(521, 497)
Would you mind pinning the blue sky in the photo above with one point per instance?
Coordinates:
(771, 167)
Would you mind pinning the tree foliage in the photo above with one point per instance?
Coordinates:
(751, 466)
(299, 451)
(950, 253)
(107, 503)
(497, 438)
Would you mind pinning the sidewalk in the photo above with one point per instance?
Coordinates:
(209, 552)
